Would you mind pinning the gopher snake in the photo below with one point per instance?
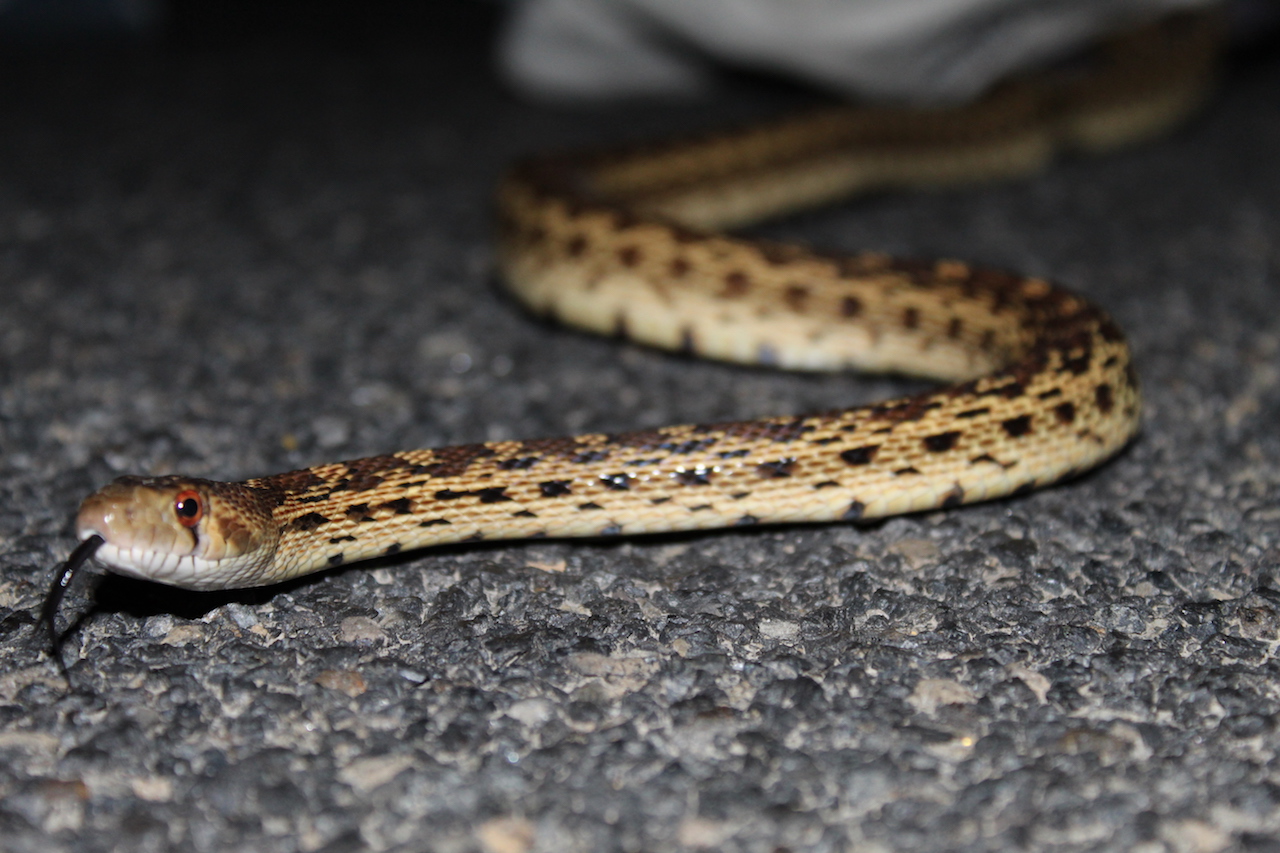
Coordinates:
(621, 243)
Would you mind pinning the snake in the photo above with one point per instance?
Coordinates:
(1038, 385)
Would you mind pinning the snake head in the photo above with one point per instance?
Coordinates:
(182, 531)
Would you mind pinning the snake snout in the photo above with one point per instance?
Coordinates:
(136, 518)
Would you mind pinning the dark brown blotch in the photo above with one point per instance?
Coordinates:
(310, 521)
(1066, 412)
(796, 296)
(519, 463)
(860, 455)
(617, 482)
(693, 477)
(776, 468)
(400, 506)
(736, 283)
(1106, 400)
(358, 512)
(941, 442)
(554, 488)
(1017, 427)
(493, 495)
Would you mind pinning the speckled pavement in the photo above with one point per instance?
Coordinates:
(228, 263)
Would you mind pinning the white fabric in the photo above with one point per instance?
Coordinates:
(887, 49)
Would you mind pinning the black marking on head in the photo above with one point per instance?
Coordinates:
(855, 511)
(336, 559)
(692, 477)
(521, 463)
(590, 505)
(334, 540)
(554, 488)
(1066, 412)
(860, 455)
(955, 497)
(310, 521)
(746, 521)
(1106, 400)
(433, 522)
(941, 442)
(393, 548)
(617, 482)
(776, 468)
(1017, 427)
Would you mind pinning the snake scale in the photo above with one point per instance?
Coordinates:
(628, 243)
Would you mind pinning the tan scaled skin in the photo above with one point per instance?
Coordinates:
(613, 243)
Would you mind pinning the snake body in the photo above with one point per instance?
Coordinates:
(625, 243)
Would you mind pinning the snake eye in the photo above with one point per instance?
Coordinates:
(188, 508)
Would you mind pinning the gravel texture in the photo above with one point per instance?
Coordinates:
(233, 262)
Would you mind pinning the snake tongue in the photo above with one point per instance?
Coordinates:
(61, 581)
